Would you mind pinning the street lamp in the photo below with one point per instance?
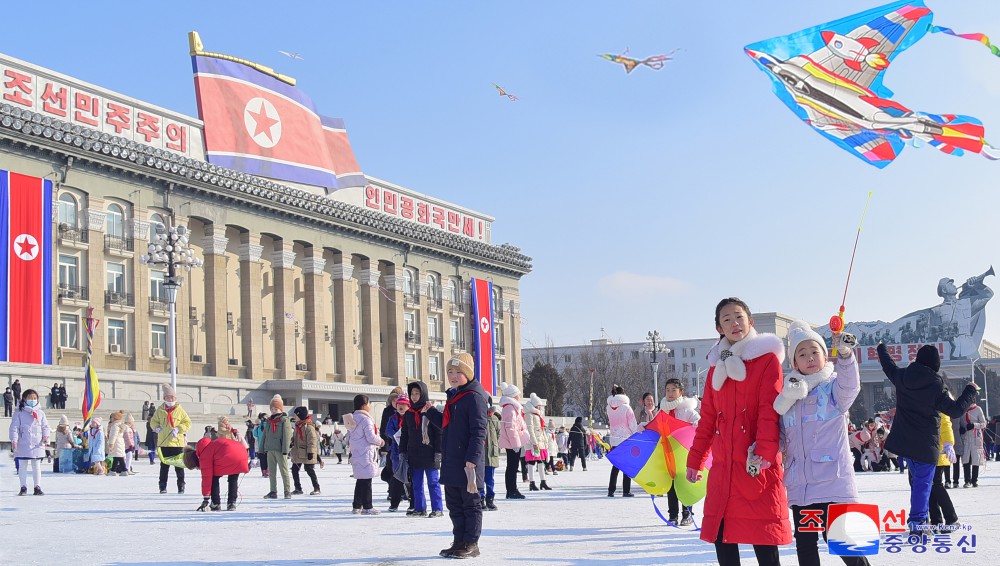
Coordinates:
(591, 411)
(169, 248)
(653, 337)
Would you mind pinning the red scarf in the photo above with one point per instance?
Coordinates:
(298, 426)
(170, 416)
(447, 407)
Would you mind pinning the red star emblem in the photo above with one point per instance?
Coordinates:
(263, 121)
(27, 248)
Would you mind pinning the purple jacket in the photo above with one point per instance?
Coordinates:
(365, 443)
(818, 463)
(28, 427)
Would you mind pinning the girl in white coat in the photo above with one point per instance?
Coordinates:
(621, 421)
(537, 453)
(971, 425)
(116, 444)
(29, 436)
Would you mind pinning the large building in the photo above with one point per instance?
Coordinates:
(317, 297)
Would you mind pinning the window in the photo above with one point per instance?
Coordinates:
(433, 287)
(497, 300)
(635, 354)
(116, 221)
(156, 292)
(499, 376)
(69, 276)
(159, 337)
(408, 323)
(453, 291)
(433, 366)
(116, 336)
(694, 367)
(156, 225)
(432, 327)
(685, 368)
(455, 330)
(116, 278)
(411, 366)
(69, 331)
(68, 211)
(567, 358)
(407, 282)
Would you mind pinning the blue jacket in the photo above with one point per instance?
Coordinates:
(392, 425)
(464, 438)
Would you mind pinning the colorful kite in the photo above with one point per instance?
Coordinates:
(654, 62)
(830, 76)
(656, 459)
(504, 92)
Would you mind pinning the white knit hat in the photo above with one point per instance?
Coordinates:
(167, 390)
(276, 400)
(509, 390)
(799, 332)
(536, 401)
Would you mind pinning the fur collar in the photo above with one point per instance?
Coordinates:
(505, 400)
(531, 409)
(797, 386)
(731, 364)
(689, 403)
(616, 401)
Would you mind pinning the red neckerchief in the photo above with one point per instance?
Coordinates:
(447, 407)
(170, 416)
(416, 418)
(967, 411)
(298, 426)
(274, 422)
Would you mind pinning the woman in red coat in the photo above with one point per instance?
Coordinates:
(746, 501)
(217, 458)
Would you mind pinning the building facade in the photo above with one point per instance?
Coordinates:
(301, 293)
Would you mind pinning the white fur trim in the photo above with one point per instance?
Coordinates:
(750, 348)
(689, 403)
(797, 386)
(619, 400)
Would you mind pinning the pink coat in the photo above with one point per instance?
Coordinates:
(621, 419)
(364, 442)
(514, 432)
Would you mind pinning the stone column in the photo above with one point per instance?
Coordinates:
(252, 341)
(394, 338)
(371, 346)
(284, 327)
(216, 329)
(317, 354)
(96, 272)
(514, 342)
(345, 327)
(141, 328)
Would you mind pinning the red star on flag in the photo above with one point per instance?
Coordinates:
(263, 121)
(27, 248)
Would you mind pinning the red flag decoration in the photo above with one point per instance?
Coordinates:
(482, 310)
(25, 269)
(260, 125)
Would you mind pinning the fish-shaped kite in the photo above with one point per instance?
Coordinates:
(831, 76)
(654, 62)
(504, 92)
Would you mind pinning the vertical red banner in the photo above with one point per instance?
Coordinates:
(482, 310)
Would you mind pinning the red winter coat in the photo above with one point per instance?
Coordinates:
(755, 509)
(220, 457)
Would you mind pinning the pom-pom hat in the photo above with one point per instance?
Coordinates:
(799, 332)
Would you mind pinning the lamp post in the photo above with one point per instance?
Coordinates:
(169, 248)
(591, 411)
(653, 337)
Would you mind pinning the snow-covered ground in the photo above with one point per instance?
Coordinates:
(84, 520)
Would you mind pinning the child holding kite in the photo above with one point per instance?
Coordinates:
(745, 500)
(814, 406)
(685, 409)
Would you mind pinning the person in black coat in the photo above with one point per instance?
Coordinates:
(8, 402)
(16, 388)
(578, 444)
(463, 445)
(420, 443)
(920, 394)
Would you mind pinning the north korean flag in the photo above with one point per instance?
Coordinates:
(348, 171)
(259, 125)
(25, 269)
(482, 310)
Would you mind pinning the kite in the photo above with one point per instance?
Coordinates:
(295, 56)
(656, 458)
(831, 76)
(654, 62)
(504, 92)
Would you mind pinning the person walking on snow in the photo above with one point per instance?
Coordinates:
(304, 450)
(971, 426)
(513, 436)
(537, 451)
(29, 437)
(684, 409)
(275, 442)
(365, 442)
(420, 441)
(621, 421)
(170, 422)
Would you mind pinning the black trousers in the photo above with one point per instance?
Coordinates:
(613, 482)
(310, 471)
(857, 460)
(118, 465)
(971, 476)
(728, 553)
(805, 541)
(524, 469)
(673, 505)
(941, 508)
(955, 468)
(581, 453)
(397, 490)
(6, 409)
(363, 494)
(233, 481)
(165, 469)
(510, 474)
(465, 513)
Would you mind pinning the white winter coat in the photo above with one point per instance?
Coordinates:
(972, 440)
(682, 408)
(116, 439)
(621, 419)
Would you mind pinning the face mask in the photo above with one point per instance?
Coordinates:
(31, 402)
(170, 403)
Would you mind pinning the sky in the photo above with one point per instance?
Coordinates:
(643, 199)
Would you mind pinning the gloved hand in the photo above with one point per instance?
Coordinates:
(949, 452)
(309, 456)
(693, 475)
(961, 429)
(755, 463)
(203, 506)
(175, 432)
(470, 476)
(845, 344)
(157, 430)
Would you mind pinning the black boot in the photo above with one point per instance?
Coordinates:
(466, 550)
(203, 506)
(231, 506)
(532, 487)
(515, 495)
(490, 505)
(545, 486)
(215, 507)
(447, 552)
(482, 503)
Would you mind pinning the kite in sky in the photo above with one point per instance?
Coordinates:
(656, 459)
(295, 56)
(504, 92)
(831, 76)
(654, 62)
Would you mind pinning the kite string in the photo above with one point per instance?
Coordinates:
(854, 253)
(981, 38)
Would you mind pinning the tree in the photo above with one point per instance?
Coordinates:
(543, 380)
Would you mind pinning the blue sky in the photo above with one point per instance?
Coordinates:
(642, 198)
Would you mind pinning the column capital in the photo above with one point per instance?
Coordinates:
(214, 245)
(369, 277)
(342, 271)
(140, 229)
(394, 282)
(313, 265)
(283, 259)
(250, 252)
(93, 219)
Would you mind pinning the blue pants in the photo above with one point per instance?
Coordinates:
(419, 501)
(490, 471)
(921, 480)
